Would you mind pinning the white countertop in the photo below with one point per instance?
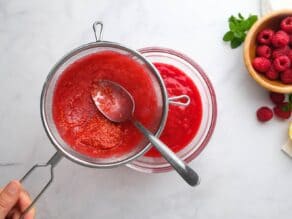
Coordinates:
(244, 173)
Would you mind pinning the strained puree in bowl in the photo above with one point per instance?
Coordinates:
(182, 123)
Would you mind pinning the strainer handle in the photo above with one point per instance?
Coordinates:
(98, 28)
(54, 160)
(181, 100)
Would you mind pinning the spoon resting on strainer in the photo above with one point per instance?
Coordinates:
(118, 105)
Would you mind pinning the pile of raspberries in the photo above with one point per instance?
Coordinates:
(274, 52)
(265, 113)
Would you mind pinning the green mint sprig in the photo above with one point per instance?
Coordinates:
(288, 107)
(238, 29)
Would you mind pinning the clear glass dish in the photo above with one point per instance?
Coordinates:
(200, 79)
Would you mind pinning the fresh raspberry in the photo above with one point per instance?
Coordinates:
(263, 51)
(286, 24)
(286, 76)
(280, 39)
(277, 98)
(272, 74)
(265, 36)
(290, 39)
(280, 52)
(282, 110)
(281, 63)
(290, 55)
(264, 114)
(261, 64)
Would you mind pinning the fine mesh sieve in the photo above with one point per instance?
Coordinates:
(47, 99)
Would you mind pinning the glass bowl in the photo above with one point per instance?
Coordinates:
(209, 106)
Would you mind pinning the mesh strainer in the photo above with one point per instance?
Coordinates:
(63, 149)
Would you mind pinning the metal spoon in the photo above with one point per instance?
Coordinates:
(118, 105)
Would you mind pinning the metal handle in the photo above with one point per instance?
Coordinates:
(187, 173)
(54, 160)
(182, 100)
(98, 34)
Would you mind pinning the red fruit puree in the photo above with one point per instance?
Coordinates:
(87, 131)
(182, 123)
(79, 122)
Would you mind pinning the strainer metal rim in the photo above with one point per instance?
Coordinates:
(65, 58)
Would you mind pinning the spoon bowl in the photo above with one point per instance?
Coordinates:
(113, 100)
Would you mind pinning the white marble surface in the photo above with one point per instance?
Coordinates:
(244, 173)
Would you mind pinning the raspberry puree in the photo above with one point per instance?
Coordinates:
(182, 122)
(79, 122)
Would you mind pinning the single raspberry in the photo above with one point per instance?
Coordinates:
(286, 76)
(277, 98)
(264, 114)
(263, 51)
(280, 52)
(265, 36)
(280, 39)
(261, 64)
(272, 74)
(281, 63)
(286, 24)
(282, 110)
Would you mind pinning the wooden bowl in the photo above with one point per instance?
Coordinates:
(272, 21)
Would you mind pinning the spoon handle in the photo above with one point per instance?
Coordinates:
(186, 172)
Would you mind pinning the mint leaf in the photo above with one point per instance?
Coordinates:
(238, 28)
(285, 108)
(251, 20)
(232, 26)
(240, 35)
(243, 37)
(245, 25)
(228, 36)
(290, 98)
(236, 42)
(232, 19)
